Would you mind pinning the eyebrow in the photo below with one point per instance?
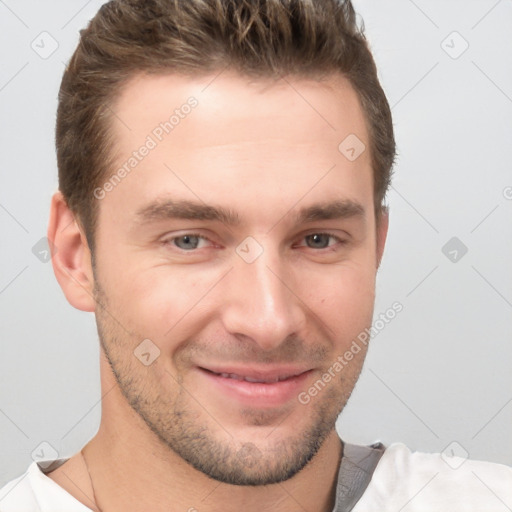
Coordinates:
(190, 210)
(340, 209)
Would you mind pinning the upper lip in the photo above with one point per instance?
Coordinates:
(258, 374)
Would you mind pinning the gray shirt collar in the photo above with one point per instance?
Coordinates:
(356, 469)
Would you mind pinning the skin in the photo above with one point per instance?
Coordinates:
(263, 150)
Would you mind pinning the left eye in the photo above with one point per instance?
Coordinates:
(187, 242)
(320, 240)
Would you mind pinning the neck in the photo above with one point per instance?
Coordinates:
(164, 485)
(132, 470)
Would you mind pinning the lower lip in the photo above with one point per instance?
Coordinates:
(259, 394)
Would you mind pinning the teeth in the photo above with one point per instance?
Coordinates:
(251, 379)
(231, 376)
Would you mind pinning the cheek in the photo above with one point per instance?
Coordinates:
(156, 302)
(343, 298)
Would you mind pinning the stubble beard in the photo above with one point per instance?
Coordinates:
(186, 428)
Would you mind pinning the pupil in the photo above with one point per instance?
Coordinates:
(320, 241)
(187, 242)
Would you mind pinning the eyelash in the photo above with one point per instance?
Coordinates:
(339, 241)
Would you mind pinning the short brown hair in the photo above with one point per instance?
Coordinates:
(258, 38)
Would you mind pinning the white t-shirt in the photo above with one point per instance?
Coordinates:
(401, 481)
(427, 482)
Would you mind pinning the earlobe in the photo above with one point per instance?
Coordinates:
(382, 232)
(71, 257)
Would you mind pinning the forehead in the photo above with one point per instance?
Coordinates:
(329, 105)
(226, 136)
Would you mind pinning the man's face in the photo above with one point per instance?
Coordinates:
(243, 246)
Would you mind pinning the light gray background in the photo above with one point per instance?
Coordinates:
(439, 373)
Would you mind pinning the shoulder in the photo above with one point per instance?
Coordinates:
(433, 481)
(34, 491)
(18, 494)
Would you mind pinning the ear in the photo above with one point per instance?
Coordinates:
(382, 232)
(71, 257)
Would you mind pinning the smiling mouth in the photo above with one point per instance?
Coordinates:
(256, 385)
(257, 380)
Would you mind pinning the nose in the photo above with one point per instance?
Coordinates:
(260, 302)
